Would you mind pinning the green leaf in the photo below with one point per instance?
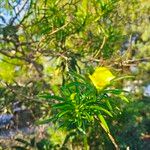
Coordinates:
(123, 98)
(121, 78)
(81, 130)
(62, 113)
(76, 75)
(62, 106)
(75, 84)
(52, 97)
(108, 104)
(114, 91)
(88, 116)
(101, 109)
(103, 121)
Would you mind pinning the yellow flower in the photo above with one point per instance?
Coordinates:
(101, 77)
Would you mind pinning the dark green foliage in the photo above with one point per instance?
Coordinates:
(43, 144)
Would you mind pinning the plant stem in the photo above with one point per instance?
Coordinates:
(110, 137)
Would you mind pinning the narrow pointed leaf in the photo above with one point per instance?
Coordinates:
(123, 98)
(101, 109)
(52, 97)
(103, 121)
(62, 106)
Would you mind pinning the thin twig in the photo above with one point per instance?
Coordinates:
(53, 32)
(101, 46)
(110, 137)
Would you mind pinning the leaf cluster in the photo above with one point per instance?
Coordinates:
(81, 106)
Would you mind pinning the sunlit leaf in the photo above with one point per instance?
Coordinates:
(103, 121)
(123, 98)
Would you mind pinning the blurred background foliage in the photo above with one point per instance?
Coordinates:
(41, 40)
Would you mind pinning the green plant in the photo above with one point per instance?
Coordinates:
(43, 144)
(81, 104)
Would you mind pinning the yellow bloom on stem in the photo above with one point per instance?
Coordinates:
(101, 77)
